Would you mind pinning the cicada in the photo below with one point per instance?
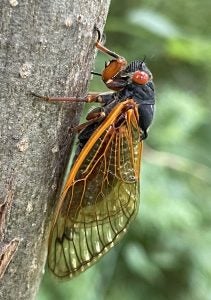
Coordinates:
(101, 194)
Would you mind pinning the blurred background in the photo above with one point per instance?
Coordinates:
(167, 252)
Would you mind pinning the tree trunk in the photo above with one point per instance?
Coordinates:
(47, 48)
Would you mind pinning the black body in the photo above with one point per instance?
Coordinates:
(143, 95)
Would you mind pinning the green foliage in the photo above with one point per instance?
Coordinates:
(167, 253)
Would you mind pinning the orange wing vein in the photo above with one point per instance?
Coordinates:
(101, 195)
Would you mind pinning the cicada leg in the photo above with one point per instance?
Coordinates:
(95, 115)
(91, 97)
(113, 67)
(103, 49)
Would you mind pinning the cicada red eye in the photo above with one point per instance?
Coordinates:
(140, 77)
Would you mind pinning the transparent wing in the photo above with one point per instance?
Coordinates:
(100, 198)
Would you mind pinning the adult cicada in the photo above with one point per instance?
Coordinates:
(101, 194)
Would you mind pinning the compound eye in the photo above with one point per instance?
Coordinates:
(140, 77)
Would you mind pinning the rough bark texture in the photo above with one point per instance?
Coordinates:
(48, 48)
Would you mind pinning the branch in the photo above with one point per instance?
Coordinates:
(48, 48)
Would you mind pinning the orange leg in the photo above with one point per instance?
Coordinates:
(92, 119)
(114, 67)
(103, 49)
(91, 97)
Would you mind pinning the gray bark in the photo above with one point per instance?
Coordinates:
(47, 47)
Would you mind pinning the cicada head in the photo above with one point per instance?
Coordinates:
(138, 72)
